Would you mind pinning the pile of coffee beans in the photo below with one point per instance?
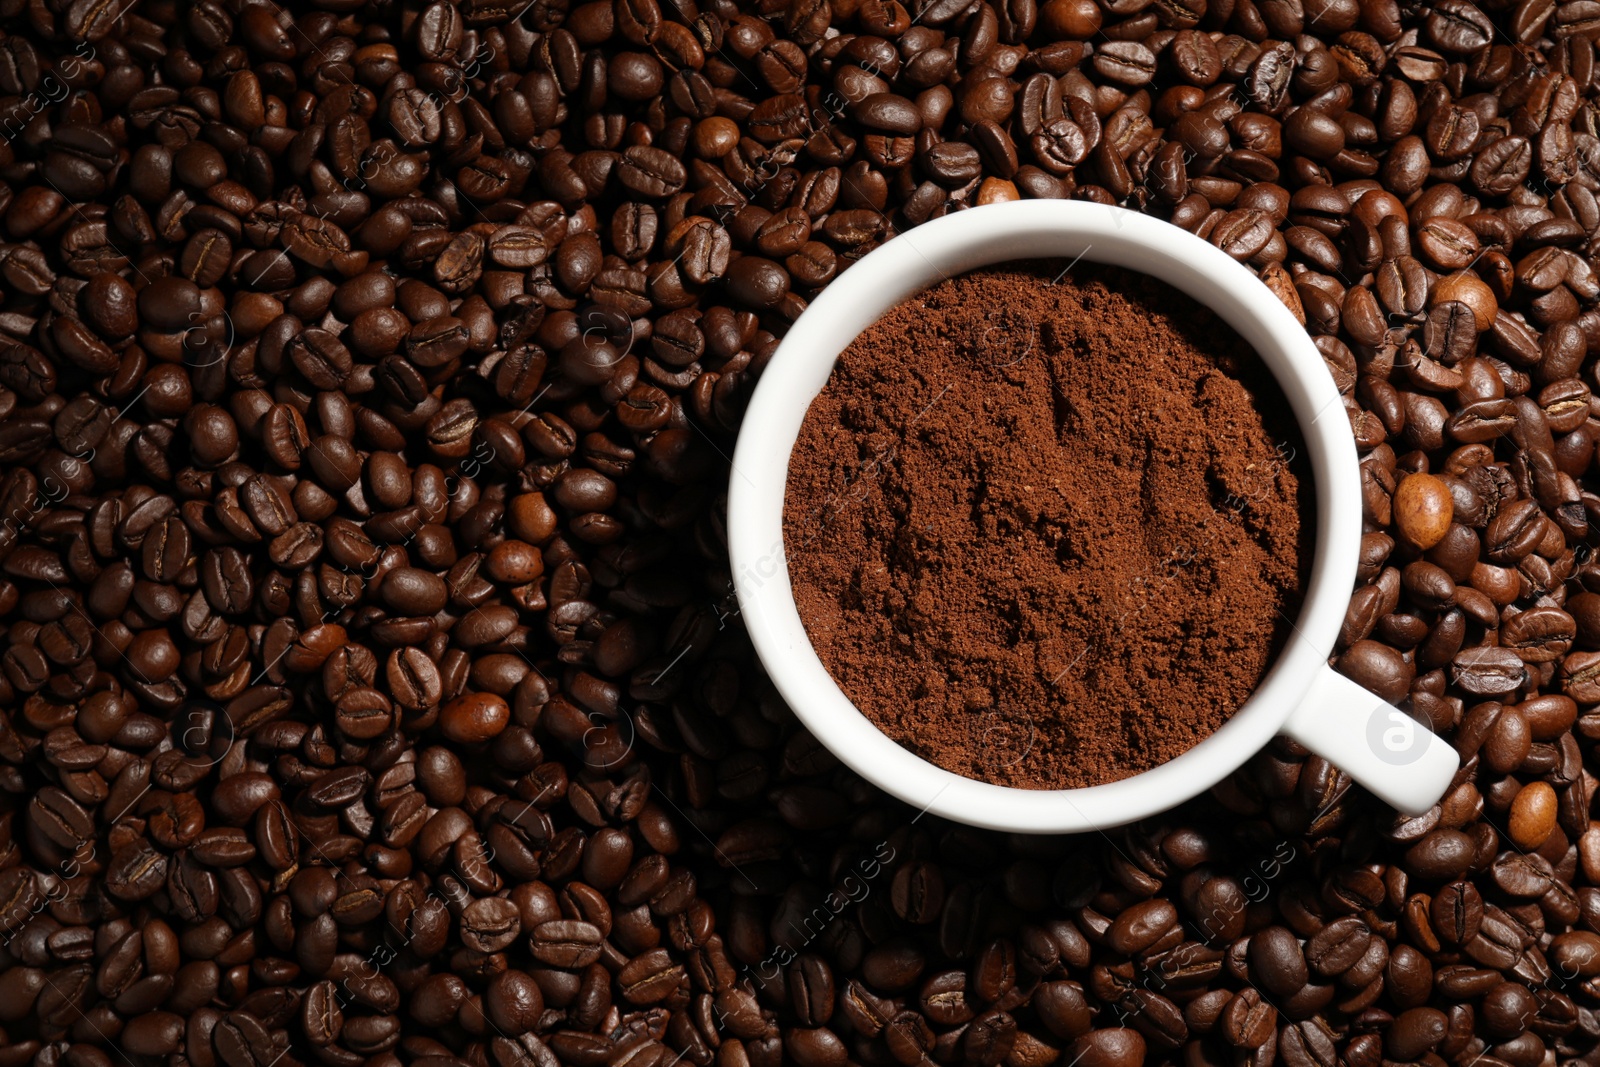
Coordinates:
(371, 688)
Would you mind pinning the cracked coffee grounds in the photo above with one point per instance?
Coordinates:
(1045, 525)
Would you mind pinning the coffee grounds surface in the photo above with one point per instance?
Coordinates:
(1045, 525)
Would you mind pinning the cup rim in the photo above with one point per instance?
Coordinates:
(911, 262)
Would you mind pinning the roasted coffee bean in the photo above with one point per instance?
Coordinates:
(490, 924)
(1338, 946)
(1119, 1047)
(1456, 913)
(566, 944)
(1248, 1021)
(414, 679)
(1276, 959)
(1415, 1032)
(1141, 926)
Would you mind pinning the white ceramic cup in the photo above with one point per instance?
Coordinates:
(1380, 746)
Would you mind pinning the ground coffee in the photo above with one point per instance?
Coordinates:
(1044, 523)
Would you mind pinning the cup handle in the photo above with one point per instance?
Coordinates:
(1397, 758)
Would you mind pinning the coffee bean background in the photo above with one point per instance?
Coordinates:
(371, 688)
